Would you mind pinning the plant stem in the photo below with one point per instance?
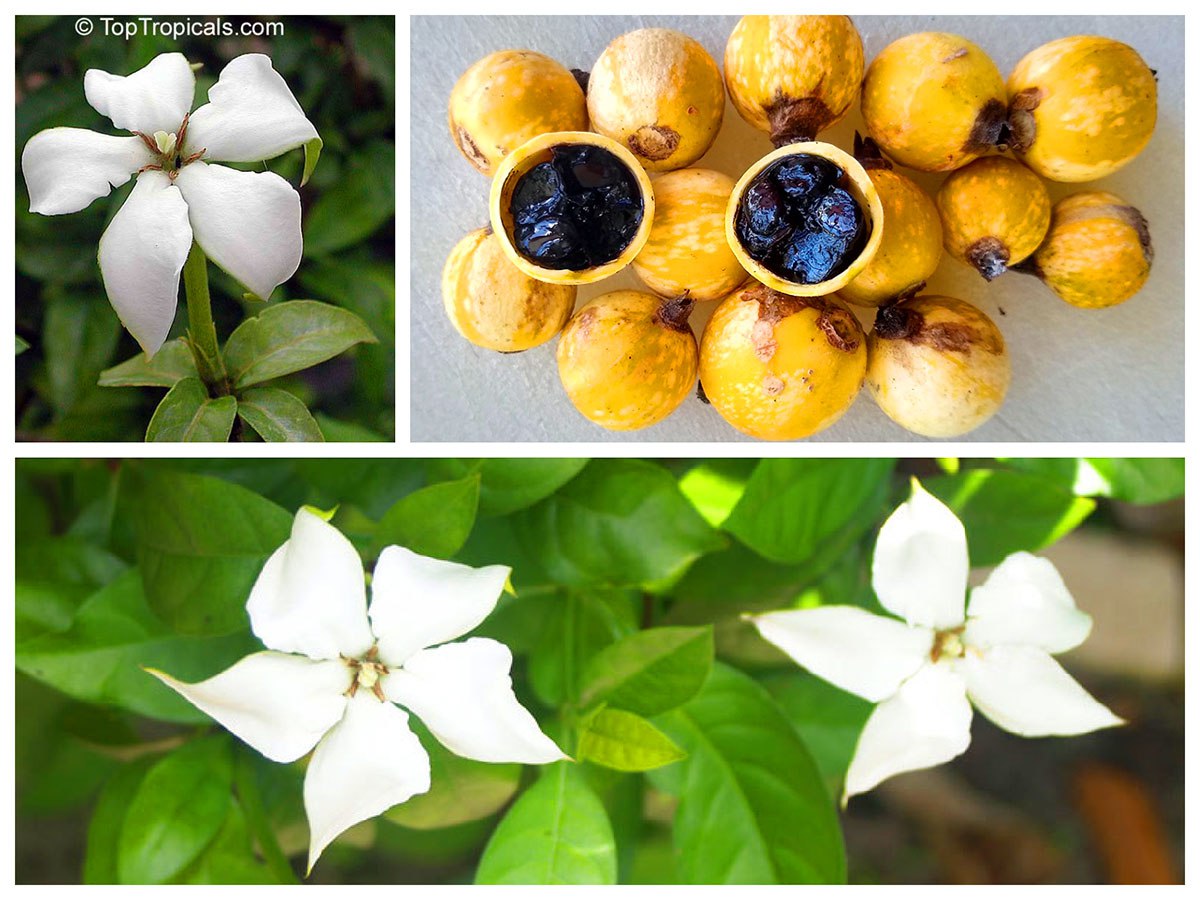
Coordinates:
(256, 820)
(202, 334)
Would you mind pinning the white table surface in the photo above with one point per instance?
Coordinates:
(1078, 375)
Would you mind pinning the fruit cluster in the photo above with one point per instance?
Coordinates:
(806, 231)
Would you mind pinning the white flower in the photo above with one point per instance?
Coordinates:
(927, 670)
(248, 223)
(330, 677)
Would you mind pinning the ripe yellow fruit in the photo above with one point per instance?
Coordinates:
(1097, 252)
(1081, 107)
(660, 94)
(686, 251)
(508, 97)
(781, 367)
(494, 304)
(792, 77)
(934, 101)
(937, 366)
(628, 359)
(994, 214)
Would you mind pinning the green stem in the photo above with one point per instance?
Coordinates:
(256, 820)
(202, 333)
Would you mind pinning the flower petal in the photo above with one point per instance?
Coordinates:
(279, 704)
(417, 602)
(1024, 601)
(860, 652)
(463, 694)
(927, 723)
(154, 98)
(920, 567)
(1023, 690)
(250, 116)
(369, 762)
(311, 596)
(67, 168)
(141, 255)
(247, 222)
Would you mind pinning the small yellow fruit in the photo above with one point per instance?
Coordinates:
(780, 367)
(1097, 252)
(994, 214)
(792, 77)
(687, 251)
(660, 94)
(911, 246)
(509, 97)
(937, 366)
(934, 101)
(628, 359)
(1081, 107)
(494, 304)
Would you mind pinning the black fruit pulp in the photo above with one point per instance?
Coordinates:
(578, 210)
(798, 219)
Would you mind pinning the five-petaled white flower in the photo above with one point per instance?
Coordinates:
(247, 222)
(330, 677)
(926, 671)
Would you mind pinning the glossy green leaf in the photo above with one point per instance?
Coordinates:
(171, 364)
(53, 577)
(650, 671)
(715, 486)
(335, 430)
(277, 416)
(108, 816)
(556, 833)
(621, 740)
(433, 521)
(79, 336)
(288, 337)
(508, 485)
(1145, 480)
(187, 413)
(230, 858)
(568, 630)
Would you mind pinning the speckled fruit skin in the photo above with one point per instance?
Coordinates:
(910, 247)
(537, 151)
(1081, 107)
(994, 214)
(861, 189)
(660, 94)
(778, 367)
(494, 304)
(687, 250)
(945, 373)
(509, 97)
(1097, 252)
(627, 360)
(934, 101)
(791, 77)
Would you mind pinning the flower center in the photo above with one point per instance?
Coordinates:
(948, 644)
(169, 150)
(365, 673)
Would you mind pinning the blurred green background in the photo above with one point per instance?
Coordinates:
(341, 70)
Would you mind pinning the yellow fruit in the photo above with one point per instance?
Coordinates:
(792, 77)
(509, 97)
(937, 366)
(1097, 252)
(687, 251)
(1081, 107)
(660, 94)
(994, 214)
(628, 359)
(934, 101)
(911, 246)
(780, 367)
(494, 304)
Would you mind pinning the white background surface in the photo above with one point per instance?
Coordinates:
(1078, 375)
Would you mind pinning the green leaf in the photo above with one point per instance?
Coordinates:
(792, 507)
(187, 413)
(624, 741)
(619, 522)
(104, 828)
(177, 810)
(1005, 511)
(508, 485)
(230, 858)
(53, 577)
(276, 415)
(288, 337)
(715, 486)
(335, 430)
(1146, 480)
(556, 833)
(433, 521)
(650, 671)
(202, 543)
(753, 809)
(79, 336)
(22, 345)
(357, 205)
(171, 364)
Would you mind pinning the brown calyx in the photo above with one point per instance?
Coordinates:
(898, 322)
(989, 128)
(841, 328)
(653, 141)
(674, 313)
(867, 152)
(1021, 126)
(795, 120)
(1134, 218)
(989, 257)
(469, 149)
